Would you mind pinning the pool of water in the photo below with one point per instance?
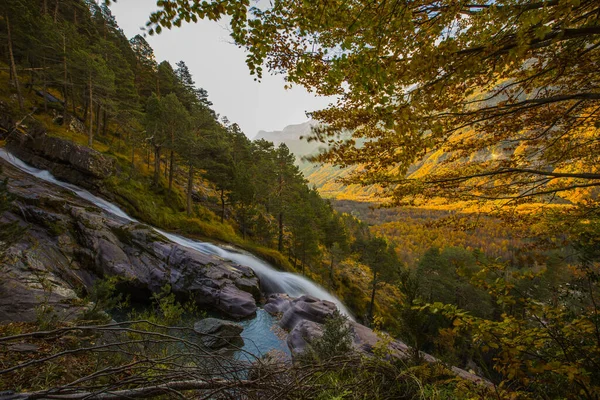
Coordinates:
(262, 335)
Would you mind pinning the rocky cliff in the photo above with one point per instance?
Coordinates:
(68, 243)
(66, 160)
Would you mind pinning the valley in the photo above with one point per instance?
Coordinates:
(431, 233)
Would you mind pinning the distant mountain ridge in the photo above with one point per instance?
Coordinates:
(325, 177)
(290, 135)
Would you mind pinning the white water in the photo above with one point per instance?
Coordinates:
(272, 281)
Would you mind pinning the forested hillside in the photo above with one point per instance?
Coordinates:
(497, 105)
(71, 73)
(479, 123)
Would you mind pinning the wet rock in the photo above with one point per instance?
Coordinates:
(278, 303)
(306, 308)
(304, 317)
(66, 160)
(302, 334)
(217, 333)
(68, 243)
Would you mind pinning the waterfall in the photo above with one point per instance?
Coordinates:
(272, 280)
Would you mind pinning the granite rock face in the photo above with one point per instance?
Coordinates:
(217, 333)
(303, 334)
(68, 243)
(304, 316)
(66, 160)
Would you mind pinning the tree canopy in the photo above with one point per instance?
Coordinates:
(507, 88)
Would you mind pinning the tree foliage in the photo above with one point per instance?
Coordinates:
(508, 88)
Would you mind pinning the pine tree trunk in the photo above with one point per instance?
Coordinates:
(171, 169)
(91, 127)
(222, 205)
(32, 81)
(156, 165)
(243, 224)
(13, 66)
(86, 109)
(98, 110)
(65, 77)
(45, 7)
(190, 186)
(56, 11)
(44, 86)
(331, 271)
(73, 98)
(104, 121)
(132, 160)
(280, 236)
(373, 296)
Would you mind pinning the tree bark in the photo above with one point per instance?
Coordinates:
(13, 66)
(44, 85)
(56, 11)
(132, 160)
(65, 77)
(98, 111)
(190, 186)
(86, 105)
(156, 165)
(280, 236)
(331, 270)
(91, 127)
(73, 105)
(243, 223)
(171, 169)
(145, 391)
(222, 205)
(104, 121)
(373, 296)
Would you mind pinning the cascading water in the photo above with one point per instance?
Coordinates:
(272, 281)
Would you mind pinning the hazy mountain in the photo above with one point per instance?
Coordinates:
(325, 177)
(290, 135)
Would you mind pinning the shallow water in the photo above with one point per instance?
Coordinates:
(272, 280)
(258, 333)
(260, 336)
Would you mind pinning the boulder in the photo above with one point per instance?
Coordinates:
(66, 160)
(217, 333)
(302, 334)
(304, 317)
(306, 308)
(68, 243)
(278, 303)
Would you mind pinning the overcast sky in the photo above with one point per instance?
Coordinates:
(219, 67)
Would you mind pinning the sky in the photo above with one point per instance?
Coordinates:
(219, 66)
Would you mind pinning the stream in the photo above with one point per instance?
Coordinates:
(258, 330)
